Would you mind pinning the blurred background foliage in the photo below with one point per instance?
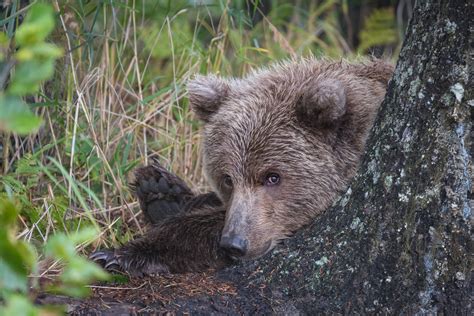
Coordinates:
(98, 90)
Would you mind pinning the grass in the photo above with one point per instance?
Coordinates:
(118, 98)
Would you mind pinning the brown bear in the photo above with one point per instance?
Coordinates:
(279, 146)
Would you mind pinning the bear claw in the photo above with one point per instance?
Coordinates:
(112, 262)
(107, 259)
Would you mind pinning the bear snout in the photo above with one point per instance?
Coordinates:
(236, 246)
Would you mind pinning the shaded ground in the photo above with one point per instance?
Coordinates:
(203, 293)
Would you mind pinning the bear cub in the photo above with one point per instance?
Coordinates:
(278, 147)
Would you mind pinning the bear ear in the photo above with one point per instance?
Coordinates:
(323, 103)
(206, 94)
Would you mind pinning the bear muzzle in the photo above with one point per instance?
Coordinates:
(247, 233)
(236, 246)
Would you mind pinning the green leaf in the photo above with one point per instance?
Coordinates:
(82, 271)
(11, 279)
(84, 235)
(19, 306)
(17, 257)
(39, 22)
(59, 246)
(67, 289)
(10, 255)
(8, 214)
(29, 75)
(15, 116)
(41, 51)
(77, 271)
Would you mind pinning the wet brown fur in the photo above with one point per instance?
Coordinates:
(306, 120)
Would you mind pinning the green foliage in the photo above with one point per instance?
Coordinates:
(19, 305)
(37, 26)
(15, 115)
(379, 30)
(77, 271)
(18, 258)
(33, 63)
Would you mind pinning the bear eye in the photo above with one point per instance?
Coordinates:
(272, 179)
(228, 181)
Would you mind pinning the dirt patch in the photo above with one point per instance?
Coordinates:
(165, 289)
(196, 293)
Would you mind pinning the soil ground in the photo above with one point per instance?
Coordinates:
(192, 293)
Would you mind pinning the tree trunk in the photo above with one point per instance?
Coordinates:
(399, 240)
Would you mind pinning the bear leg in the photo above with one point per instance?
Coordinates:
(186, 232)
(185, 243)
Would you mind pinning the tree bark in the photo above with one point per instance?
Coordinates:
(400, 239)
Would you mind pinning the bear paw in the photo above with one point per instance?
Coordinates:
(112, 261)
(161, 194)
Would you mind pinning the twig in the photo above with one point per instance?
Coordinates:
(4, 74)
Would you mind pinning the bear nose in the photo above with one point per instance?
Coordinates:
(234, 245)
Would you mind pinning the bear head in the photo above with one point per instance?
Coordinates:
(280, 144)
